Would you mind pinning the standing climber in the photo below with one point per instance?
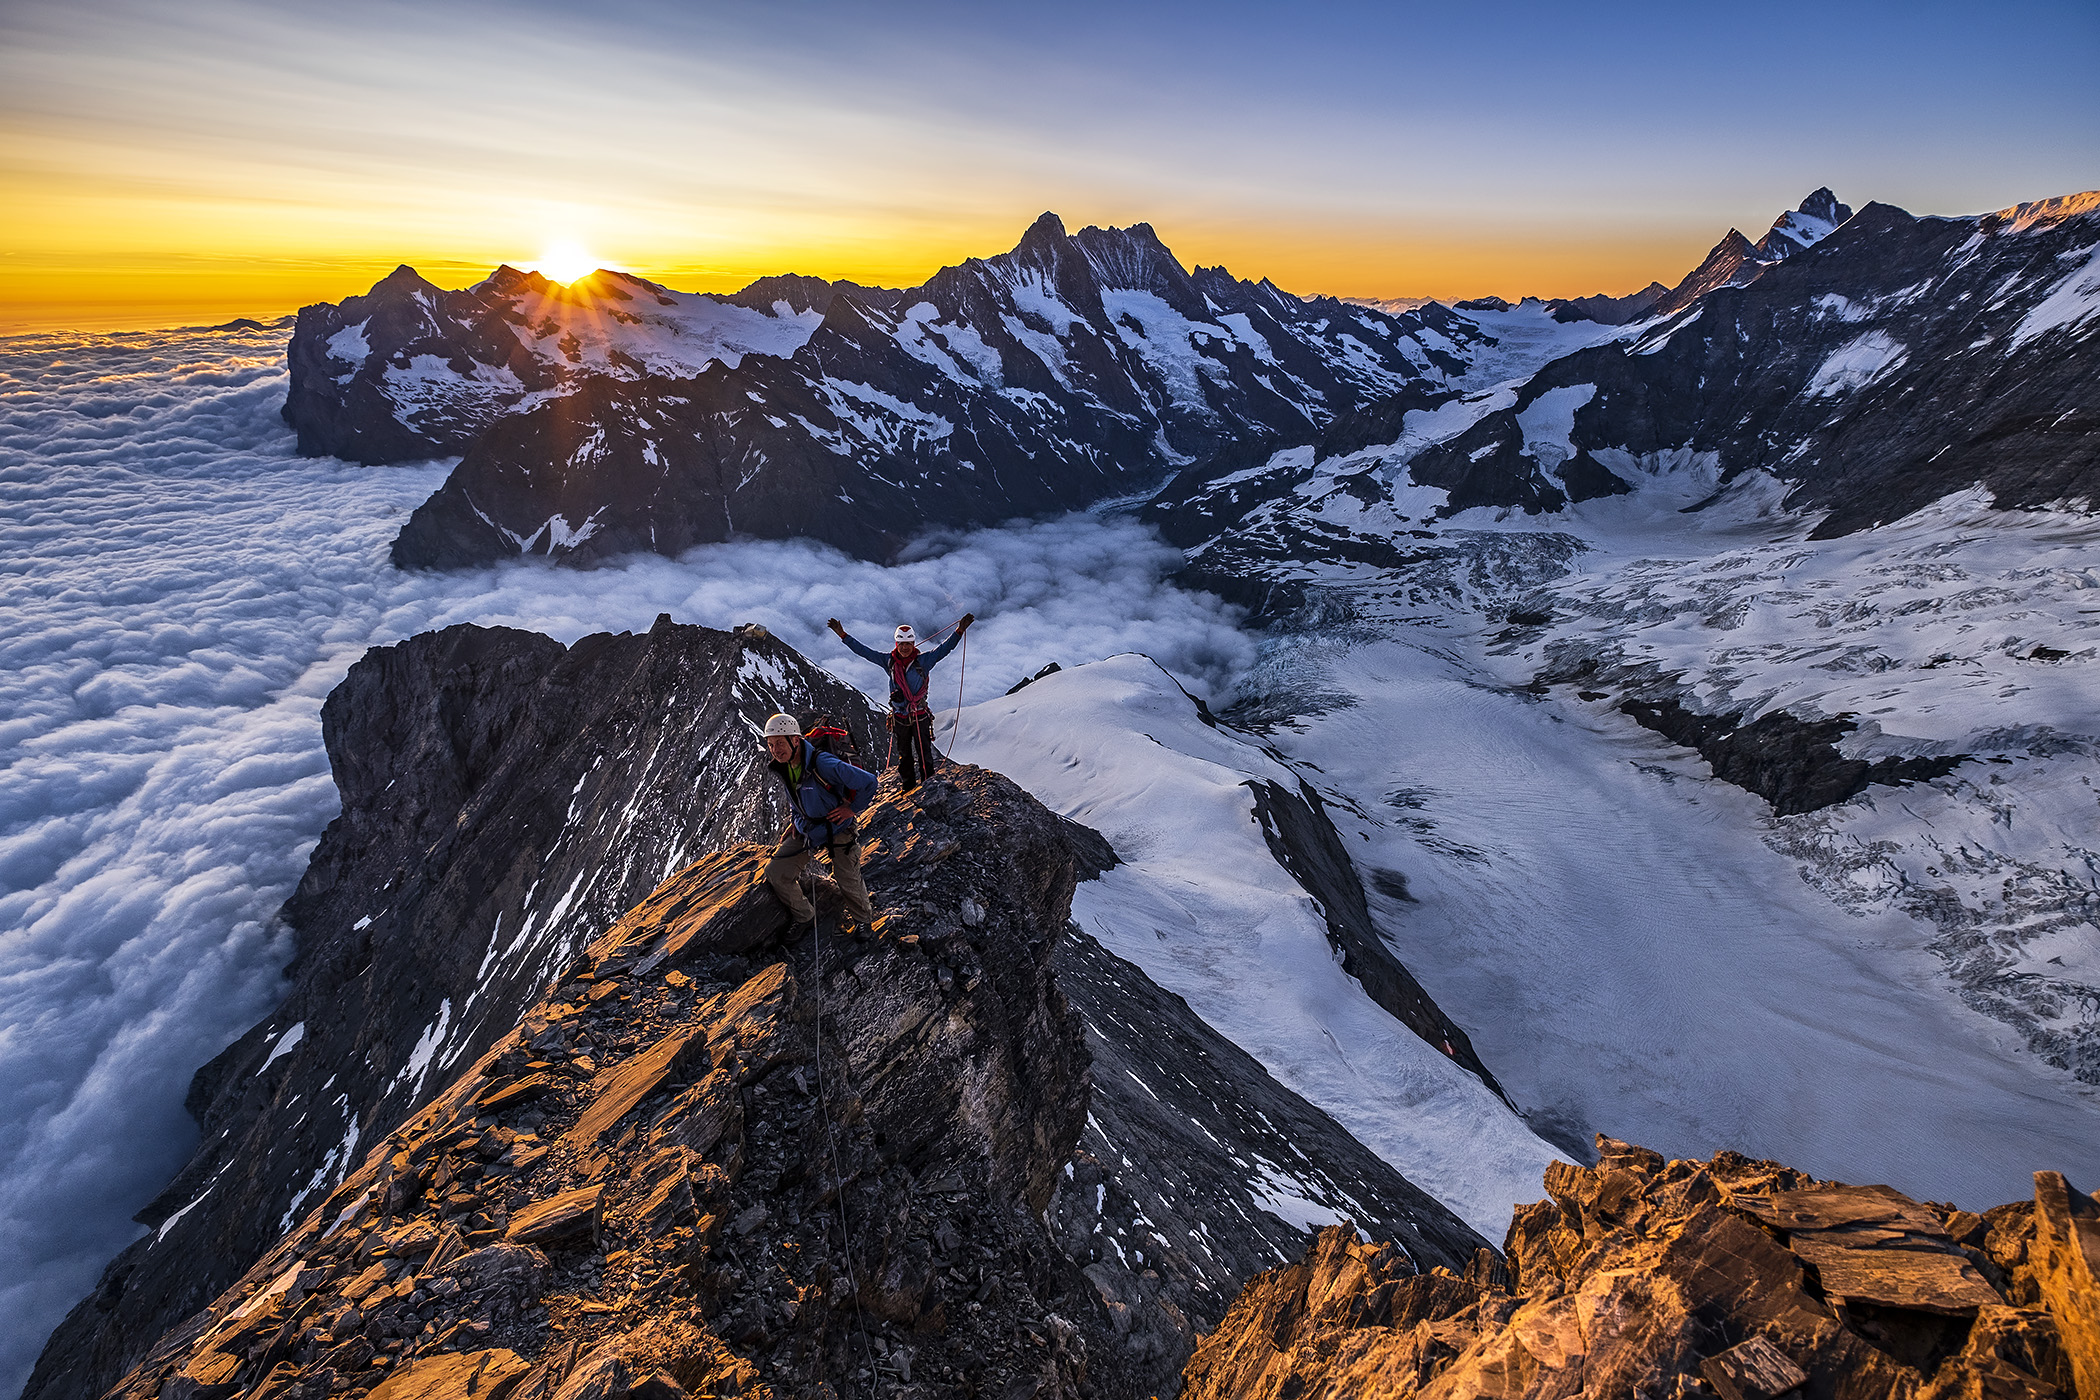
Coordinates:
(825, 795)
(911, 718)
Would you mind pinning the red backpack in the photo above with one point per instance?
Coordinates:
(834, 739)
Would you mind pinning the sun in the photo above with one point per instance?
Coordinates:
(564, 261)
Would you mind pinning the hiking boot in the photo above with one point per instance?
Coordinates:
(800, 929)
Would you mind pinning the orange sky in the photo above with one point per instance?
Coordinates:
(188, 164)
(123, 288)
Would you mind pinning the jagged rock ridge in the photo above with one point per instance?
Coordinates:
(1735, 261)
(493, 780)
(410, 370)
(1890, 362)
(1733, 1278)
(504, 800)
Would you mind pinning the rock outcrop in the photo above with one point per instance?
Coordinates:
(505, 799)
(1733, 1278)
(709, 1161)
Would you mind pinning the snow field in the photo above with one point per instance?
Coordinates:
(1632, 957)
(1203, 907)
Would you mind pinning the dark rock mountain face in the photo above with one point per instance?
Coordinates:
(1169, 1205)
(1736, 1278)
(1609, 310)
(1898, 360)
(506, 798)
(1074, 367)
(1893, 361)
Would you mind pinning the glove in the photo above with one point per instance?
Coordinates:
(967, 619)
(835, 625)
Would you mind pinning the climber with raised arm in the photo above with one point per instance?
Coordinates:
(911, 717)
(826, 796)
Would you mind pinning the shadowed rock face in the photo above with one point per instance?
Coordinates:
(504, 799)
(1732, 1277)
(1170, 1202)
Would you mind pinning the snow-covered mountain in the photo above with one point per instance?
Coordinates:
(1900, 360)
(411, 371)
(1076, 366)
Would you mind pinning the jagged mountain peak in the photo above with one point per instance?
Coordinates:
(1815, 219)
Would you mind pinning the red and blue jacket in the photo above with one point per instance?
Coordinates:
(909, 698)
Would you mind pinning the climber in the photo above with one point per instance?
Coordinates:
(911, 718)
(825, 795)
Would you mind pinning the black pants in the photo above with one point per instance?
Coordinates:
(914, 748)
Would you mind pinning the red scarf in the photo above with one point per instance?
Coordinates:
(914, 706)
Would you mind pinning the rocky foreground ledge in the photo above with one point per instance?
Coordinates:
(711, 1162)
(1734, 1278)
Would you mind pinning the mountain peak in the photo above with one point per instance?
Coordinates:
(1824, 205)
(1044, 235)
(1816, 219)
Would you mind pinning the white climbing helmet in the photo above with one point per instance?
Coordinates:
(783, 727)
(906, 637)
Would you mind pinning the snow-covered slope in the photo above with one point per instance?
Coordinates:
(1202, 905)
(1902, 986)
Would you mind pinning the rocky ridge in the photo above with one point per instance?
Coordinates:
(707, 1161)
(495, 780)
(504, 799)
(1735, 261)
(1733, 1278)
(1879, 367)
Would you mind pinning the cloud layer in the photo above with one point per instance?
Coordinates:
(178, 594)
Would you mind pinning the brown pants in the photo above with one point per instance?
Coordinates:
(791, 857)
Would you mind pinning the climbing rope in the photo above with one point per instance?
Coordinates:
(962, 671)
(816, 953)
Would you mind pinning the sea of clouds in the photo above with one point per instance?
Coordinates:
(178, 594)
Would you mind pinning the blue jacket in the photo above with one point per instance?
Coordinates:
(810, 801)
(915, 675)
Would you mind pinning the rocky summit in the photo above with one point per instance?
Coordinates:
(1733, 1278)
(713, 1161)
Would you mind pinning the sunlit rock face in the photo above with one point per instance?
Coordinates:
(504, 799)
(1728, 1277)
